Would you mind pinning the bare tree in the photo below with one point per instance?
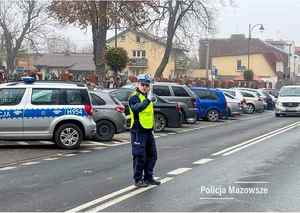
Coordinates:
(100, 15)
(179, 18)
(20, 21)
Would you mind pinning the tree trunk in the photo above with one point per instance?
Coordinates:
(10, 61)
(165, 60)
(99, 41)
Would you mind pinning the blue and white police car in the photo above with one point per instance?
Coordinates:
(43, 110)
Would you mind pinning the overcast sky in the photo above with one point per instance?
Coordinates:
(281, 19)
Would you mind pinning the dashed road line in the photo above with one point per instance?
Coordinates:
(85, 151)
(172, 133)
(203, 161)
(98, 148)
(69, 155)
(7, 168)
(50, 159)
(46, 142)
(30, 163)
(179, 171)
(23, 143)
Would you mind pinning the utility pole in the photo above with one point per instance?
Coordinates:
(207, 61)
(115, 24)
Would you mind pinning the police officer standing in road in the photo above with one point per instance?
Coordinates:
(142, 140)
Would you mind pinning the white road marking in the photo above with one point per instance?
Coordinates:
(117, 142)
(255, 142)
(7, 168)
(69, 155)
(91, 142)
(85, 151)
(172, 133)
(163, 135)
(23, 143)
(179, 171)
(102, 144)
(49, 159)
(101, 199)
(203, 161)
(46, 142)
(126, 196)
(30, 163)
(156, 136)
(253, 139)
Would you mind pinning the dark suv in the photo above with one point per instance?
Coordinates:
(174, 92)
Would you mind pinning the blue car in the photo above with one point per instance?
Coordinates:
(211, 103)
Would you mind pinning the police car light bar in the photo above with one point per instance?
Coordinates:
(28, 79)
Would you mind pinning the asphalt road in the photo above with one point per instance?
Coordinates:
(249, 164)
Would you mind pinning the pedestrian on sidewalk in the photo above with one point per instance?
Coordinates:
(142, 122)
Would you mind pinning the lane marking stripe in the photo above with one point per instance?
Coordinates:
(129, 195)
(30, 163)
(69, 155)
(255, 142)
(179, 171)
(49, 159)
(203, 161)
(7, 168)
(23, 143)
(253, 139)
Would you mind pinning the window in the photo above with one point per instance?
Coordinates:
(161, 90)
(248, 95)
(46, 97)
(239, 65)
(96, 100)
(206, 94)
(134, 53)
(77, 97)
(143, 53)
(138, 54)
(122, 95)
(180, 91)
(138, 39)
(12, 96)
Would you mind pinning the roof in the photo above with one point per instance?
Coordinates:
(150, 37)
(238, 45)
(74, 62)
(44, 84)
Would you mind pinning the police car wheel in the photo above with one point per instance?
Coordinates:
(105, 130)
(68, 136)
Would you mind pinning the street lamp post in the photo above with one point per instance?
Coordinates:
(251, 28)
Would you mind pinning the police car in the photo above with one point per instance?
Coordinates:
(43, 110)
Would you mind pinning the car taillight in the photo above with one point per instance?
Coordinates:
(193, 100)
(178, 109)
(120, 108)
(88, 108)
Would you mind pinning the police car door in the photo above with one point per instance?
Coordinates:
(39, 111)
(12, 101)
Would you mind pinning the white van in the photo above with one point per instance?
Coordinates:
(288, 101)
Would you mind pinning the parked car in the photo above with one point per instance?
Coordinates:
(167, 114)
(211, 103)
(108, 114)
(174, 92)
(268, 102)
(288, 102)
(45, 110)
(253, 102)
(234, 106)
(238, 96)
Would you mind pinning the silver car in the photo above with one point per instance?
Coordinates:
(109, 115)
(61, 112)
(233, 104)
(253, 102)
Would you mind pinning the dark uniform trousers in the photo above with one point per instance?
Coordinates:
(144, 155)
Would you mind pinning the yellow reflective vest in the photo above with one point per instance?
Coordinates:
(146, 117)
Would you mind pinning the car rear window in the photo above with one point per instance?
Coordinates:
(180, 91)
(11, 96)
(96, 100)
(161, 90)
(206, 94)
(77, 97)
(122, 94)
(247, 94)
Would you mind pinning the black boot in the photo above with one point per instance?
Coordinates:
(140, 183)
(152, 182)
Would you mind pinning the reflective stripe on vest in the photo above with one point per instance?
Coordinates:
(146, 117)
